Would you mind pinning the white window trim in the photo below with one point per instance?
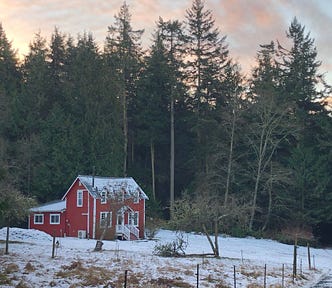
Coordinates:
(79, 192)
(130, 219)
(34, 219)
(103, 198)
(100, 219)
(54, 223)
(136, 197)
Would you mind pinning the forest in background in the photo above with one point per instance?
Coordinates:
(203, 140)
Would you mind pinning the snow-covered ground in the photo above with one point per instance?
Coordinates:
(29, 263)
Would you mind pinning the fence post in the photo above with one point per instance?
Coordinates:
(295, 259)
(197, 274)
(283, 276)
(309, 258)
(265, 276)
(234, 277)
(53, 246)
(125, 279)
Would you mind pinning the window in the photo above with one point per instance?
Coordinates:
(103, 198)
(55, 219)
(133, 218)
(79, 198)
(38, 219)
(136, 197)
(103, 219)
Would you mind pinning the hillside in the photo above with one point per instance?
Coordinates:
(29, 263)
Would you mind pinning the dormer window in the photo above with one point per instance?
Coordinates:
(136, 197)
(103, 197)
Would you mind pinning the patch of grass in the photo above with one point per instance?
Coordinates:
(222, 284)
(166, 282)
(22, 284)
(89, 276)
(29, 267)
(251, 274)
(11, 268)
(4, 279)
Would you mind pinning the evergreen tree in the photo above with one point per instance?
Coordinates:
(31, 113)
(208, 57)
(172, 36)
(123, 50)
(9, 90)
(151, 116)
(302, 84)
(57, 57)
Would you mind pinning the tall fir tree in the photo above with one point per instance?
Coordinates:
(10, 78)
(173, 39)
(123, 49)
(32, 111)
(304, 87)
(152, 113)
(207, 59)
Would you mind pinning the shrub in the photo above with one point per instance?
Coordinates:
(176, 248)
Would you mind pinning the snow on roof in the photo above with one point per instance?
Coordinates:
(111, 185)
(56, 206)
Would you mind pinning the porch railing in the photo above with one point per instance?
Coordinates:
(127, 230)
(134, 230)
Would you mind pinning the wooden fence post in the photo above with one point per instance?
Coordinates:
(283, 276)
(53, 246)
(309, 258)
(125, 279)
(295, 259)
(197, 274)
(265, 276)
(234, 277)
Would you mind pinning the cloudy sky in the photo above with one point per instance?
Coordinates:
(246, 23)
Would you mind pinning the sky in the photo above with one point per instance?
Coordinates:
(245, 23)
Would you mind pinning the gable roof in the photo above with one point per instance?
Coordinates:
(55, 206)
(96, 185)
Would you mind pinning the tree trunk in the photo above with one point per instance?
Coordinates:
(214, 248)
(216, 233)
(172, 157)
(269, 210)
(254, 201)
(125, 134)
(230, 161)
(152, 171)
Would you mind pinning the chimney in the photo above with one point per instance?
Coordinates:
(93, 177)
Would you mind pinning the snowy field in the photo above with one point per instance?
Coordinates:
(29, 263)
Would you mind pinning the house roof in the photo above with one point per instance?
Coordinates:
(96, 185)
(56, 206)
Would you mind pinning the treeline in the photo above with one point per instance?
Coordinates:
(180, 118)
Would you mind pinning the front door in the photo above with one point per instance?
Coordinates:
(120, 219)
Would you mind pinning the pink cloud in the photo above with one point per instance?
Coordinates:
(247, 24)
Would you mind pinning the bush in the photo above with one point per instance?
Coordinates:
(176, 248)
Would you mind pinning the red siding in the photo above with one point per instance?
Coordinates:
(77, 218)
(56, 230)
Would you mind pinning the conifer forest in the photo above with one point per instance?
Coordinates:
(202, 138)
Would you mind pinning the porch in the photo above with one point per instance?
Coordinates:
(127, 232)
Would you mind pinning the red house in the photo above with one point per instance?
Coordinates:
(94, 206)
